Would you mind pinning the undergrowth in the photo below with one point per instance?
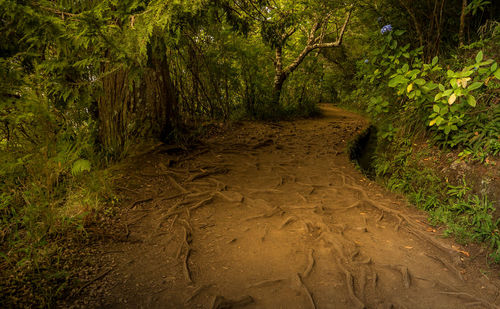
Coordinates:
(467, 216)
(45, 207)
(451, 106)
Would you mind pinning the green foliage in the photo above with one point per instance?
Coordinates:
(452, 102)
(447, 102)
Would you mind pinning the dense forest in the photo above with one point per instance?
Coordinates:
(85, 85)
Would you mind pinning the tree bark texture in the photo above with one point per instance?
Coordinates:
(129, 109)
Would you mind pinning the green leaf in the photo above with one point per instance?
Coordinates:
(436, 108)
(431, 86)
(453, 83)
(441, 87)
(447, 92)
(394, 44)
(479, 56)
(420, 81)
(497, 73)
(435, 60)
(471, 100)
(494, 67)
(398, 79)
(474, 86)
(80, 166)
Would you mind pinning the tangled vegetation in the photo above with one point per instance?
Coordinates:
(88, 83)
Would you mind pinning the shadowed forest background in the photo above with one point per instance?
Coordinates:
(87, 84)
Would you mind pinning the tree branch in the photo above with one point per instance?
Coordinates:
(311, 45)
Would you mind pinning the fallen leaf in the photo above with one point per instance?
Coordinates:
(460, 251)
(408, 247)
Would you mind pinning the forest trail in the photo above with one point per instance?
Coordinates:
(275, 216)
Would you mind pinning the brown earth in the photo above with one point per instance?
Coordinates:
(275, 216)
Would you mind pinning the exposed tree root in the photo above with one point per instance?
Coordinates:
(310, 264)
(265, 283)
(267, 142)
(202, 203)
(135, 203)
(266, 231)
(403, 270)
(187, 272)
(220, 185)
(350, 288)
(176, 184)
(400, 221)
(406, 276)
(239, 197)
(220, 302)
(257, 191)
(171, 197)
(374, 280)
(447, 265)
(86, 284)
(288, 221)
(302, 197)
(306, 290)
(413, 227)
(380, 217)
(366, 261)
(203, 174)
(362, 281)
(473, 298)
(199, 194)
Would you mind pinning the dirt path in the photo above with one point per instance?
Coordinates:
(275, 216)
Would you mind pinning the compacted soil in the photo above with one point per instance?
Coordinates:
(276, 216)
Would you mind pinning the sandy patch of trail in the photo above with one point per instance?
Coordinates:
(275, 216)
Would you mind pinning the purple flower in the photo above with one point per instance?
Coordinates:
(385, 29)
(366, 61)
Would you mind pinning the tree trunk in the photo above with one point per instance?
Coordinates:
(461, 31)
(313, 43)
(416, 24)
(113, 108)
(127, 107)
(278, 86)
